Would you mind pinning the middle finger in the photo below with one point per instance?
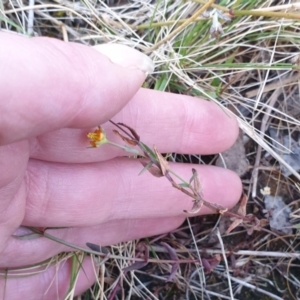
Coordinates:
(64, 195)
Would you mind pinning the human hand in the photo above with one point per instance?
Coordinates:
(53, 93)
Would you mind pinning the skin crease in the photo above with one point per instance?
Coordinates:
(53, 94)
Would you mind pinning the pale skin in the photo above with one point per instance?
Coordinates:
(52, 94)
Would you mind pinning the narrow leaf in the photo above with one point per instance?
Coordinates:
(206, 265)
(197, 185)
(155, 171)
(171, 251)
(243, 206)
(164, 166)
(147, 150)
(97, 248)
(174, 269)
(193, 177)
(94, 247)
(133, 132)
(196, 207)
(184, 185)
(146, 166)
(135, 266)
(173, 256)
(210, 264)
(234, 224)
(129, 141)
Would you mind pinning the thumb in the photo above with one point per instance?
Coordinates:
(46, 84)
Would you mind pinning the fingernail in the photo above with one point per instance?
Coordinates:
(22, 231)
(126, 57)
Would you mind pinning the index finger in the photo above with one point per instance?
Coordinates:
(174, 123)
(47, 84)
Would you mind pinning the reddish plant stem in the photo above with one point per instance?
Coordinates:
(195, 194)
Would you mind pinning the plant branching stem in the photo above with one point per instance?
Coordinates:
(194, 194)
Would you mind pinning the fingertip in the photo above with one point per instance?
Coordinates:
(218, 129)
(232, 127)
(221, 186)
(126, 57)
(180, 123)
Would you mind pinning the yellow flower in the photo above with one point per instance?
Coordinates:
(98, 137)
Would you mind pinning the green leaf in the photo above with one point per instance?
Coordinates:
(193, 178)
(148, 150)
(146, 168)
(184, 185)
